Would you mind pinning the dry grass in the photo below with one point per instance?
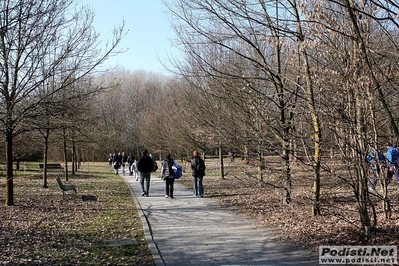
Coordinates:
(45, 229)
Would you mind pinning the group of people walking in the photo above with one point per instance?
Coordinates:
(118, 160)
(146, 164)
(379, 163)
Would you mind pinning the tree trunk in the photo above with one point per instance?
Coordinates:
(46, 136)
(261, 163)
(362, 196)
(287, 171)
(285, 116)
(73, 157)
(10, 179)
(386, 202)
(313, 113)
(221, 162)
(64, 142)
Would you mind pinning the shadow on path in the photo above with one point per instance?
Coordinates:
(190, 230)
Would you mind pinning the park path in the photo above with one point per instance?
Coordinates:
(190, 230)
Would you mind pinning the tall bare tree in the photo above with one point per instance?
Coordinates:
(304, 63)
(29, 31)
(254, 35)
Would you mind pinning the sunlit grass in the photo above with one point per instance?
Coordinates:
(46, 228)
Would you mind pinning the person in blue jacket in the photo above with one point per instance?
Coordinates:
(392, 158)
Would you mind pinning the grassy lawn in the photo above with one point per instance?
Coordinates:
(43, 228)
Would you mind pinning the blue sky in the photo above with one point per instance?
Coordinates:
(148, 34)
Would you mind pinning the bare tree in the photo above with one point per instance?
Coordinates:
(304, 63)
(359, 79)
(29, 31)
(256, 39)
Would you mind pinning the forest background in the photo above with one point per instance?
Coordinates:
(279, 83)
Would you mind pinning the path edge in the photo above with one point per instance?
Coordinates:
(147, 232)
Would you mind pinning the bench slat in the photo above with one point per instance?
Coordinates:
(50, 166)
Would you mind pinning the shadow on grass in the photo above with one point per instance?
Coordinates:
(89, 198)
(228, 195)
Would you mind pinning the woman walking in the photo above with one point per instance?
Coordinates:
(198, 168)
(167, 175)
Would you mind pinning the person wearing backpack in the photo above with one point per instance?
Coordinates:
(198, 171)
(392, 157)
(167, 175)
(117, 162)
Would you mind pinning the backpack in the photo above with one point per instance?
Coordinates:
(395, 156)
(382, 159)
(200, 168)
(369, 158)
(177, 170)
(155, 167)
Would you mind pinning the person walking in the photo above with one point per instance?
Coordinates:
(392, 158)
(124, 161)
(130, 161)
(167, 175)
(117, 162)
(110, 159)
(154, 160)
(198, 172)
(145, 166)
(135, 170)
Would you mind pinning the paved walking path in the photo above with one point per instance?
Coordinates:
(190, 230)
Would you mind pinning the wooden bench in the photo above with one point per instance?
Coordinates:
(52, 166)
(64, 187)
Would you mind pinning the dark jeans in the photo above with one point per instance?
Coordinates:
(197, 184)
(145, 177)
(169, 186)
(392, 171)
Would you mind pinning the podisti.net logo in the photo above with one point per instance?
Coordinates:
(358, 255)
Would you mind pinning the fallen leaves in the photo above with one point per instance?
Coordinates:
(338, 223)
(45, 229)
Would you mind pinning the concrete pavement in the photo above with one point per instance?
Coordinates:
(191, 230)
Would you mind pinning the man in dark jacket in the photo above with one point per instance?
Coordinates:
(145, 166)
